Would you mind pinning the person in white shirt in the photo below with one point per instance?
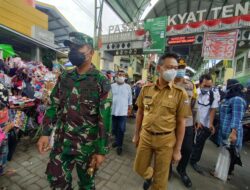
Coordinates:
(121, 108)
(208, 102)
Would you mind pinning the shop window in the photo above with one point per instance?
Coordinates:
(239, 65)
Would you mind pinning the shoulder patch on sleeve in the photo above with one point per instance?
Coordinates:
(149, 84)
(178, 87)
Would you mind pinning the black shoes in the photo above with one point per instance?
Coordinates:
(147, 183)
(119, 151)
(114, 145)
(197, 169)
(185, 179)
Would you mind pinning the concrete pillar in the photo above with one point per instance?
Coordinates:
(130, 72)
(107, 61)
(96, 60)
(145, 74)
(36, 54)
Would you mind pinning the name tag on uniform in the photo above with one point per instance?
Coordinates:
(170, 96)
(146, 107)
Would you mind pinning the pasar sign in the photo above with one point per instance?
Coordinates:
(226, 11)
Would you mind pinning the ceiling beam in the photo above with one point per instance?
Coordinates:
(188, 5)
(133, 1)
(54, 19)
(199, 5)
(166, 7)
(225, 2)
(117, 13)
(124, 10)
(61, 35)
(178, 6)
(169, 7)
(155, 12)
(209, 9)
(58, 28)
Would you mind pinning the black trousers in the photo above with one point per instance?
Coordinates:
(119, 128)
(186, 149)
(201, 137)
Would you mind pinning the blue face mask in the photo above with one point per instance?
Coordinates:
(181, 73)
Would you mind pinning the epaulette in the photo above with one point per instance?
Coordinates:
(148, 85)
(179, 87)
(188, 80)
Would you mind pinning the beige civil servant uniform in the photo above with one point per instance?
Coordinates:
(161, 109)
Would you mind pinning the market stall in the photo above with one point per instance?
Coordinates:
(30, 84)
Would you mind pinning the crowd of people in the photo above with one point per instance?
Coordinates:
(160, 115)
(174, 119)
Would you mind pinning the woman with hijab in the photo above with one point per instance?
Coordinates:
(232, 110)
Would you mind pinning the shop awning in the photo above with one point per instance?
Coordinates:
(23, 43)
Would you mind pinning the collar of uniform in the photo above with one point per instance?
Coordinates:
(92, 71)
(169, 85)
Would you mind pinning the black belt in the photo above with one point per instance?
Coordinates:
(158, 134)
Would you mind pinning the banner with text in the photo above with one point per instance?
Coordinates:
(220, 45)
(155, 35)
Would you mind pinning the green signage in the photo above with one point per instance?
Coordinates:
(155, 35)
(244, 79)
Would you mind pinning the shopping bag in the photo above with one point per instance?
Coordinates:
(222, 165)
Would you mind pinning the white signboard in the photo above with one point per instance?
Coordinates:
(43, 35)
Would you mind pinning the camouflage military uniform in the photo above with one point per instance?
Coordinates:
(80, 111)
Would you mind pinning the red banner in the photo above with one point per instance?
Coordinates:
(230, 20)
(212, 25)
(220, 45)
(196, 24)
(180, 26)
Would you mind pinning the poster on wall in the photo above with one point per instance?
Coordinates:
(155, 35)
(220, 45)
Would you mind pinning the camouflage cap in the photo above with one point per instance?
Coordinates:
(78, 38)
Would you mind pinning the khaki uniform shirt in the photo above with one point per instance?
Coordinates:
(189, 87)
(162, 107)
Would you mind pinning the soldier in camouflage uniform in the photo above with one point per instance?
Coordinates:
(80, 112)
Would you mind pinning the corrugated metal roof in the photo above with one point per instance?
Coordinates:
(128, 10)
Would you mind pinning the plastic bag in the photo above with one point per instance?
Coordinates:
(52, 138)
(222, 165)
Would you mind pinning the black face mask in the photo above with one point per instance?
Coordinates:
(76, 58)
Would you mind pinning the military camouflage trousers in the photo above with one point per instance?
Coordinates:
(61, 164)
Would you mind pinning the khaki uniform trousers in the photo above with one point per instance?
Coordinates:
(159, 147)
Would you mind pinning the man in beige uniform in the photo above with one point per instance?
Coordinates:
(160, 125)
